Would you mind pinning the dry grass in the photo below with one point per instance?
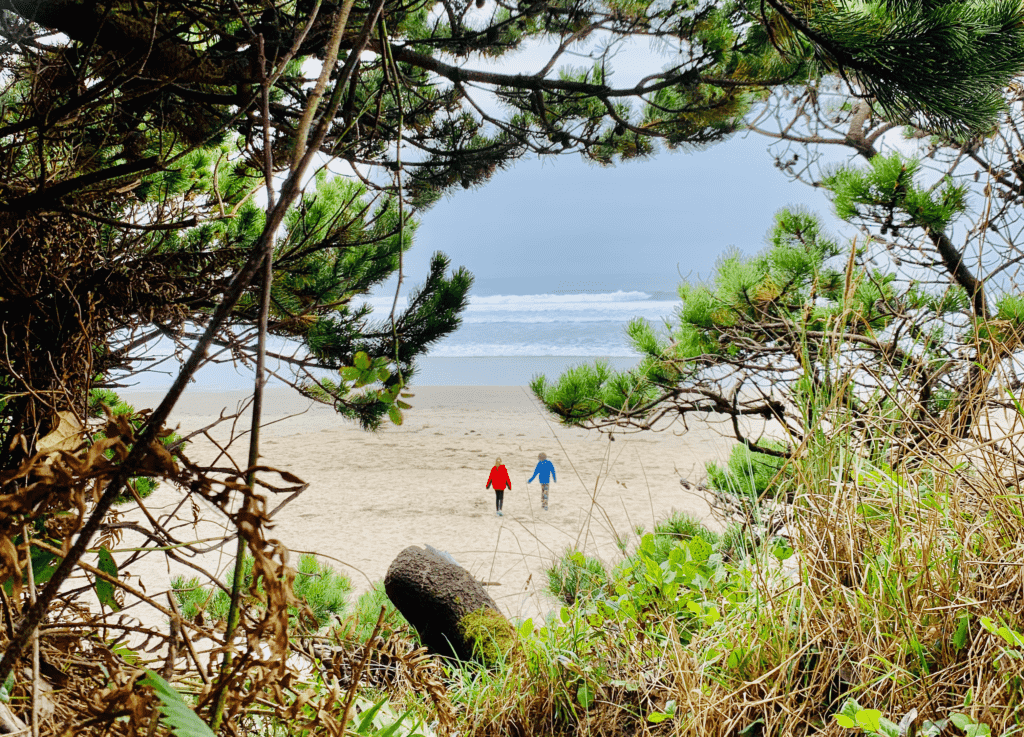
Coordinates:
(893, 572)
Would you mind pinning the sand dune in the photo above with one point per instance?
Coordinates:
(371, 495)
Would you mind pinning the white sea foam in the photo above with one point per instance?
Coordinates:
(546, 324)
(618, 307)
(452, 349)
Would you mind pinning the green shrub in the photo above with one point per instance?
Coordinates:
(750, 475)
(317, 584)
(360, 622)
(575, 576)
(681, 526)
(99, 398)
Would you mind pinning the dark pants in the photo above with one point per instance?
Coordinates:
(499, 497)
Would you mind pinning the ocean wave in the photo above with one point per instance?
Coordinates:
(552, 309)
(475, 350)
(541, 302)
(559, 299)
(615, 320)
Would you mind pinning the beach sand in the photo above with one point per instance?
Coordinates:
(371, 495)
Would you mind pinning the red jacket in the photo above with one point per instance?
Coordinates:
(499, 478)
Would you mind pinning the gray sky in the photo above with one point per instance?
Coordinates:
(562, 224)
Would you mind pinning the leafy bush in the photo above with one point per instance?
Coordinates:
(360, 622)
(681, 526)
(317, 584)
(100, 398)
(750, 475)
(575, 576)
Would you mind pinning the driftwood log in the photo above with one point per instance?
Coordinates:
(450, 609)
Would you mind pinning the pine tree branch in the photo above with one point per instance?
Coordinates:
(141, 447)
(953, 260)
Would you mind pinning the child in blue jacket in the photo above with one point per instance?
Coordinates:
(546, 470)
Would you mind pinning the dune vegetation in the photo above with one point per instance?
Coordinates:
(166, 179)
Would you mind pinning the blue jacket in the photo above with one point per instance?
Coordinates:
(546, 470)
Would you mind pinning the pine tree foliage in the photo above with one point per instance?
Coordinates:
(889, 190)
(805, 323)
(137, 140)
(935, 269)
(943, 63)
(139, 173)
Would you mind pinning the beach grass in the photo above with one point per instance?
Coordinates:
(892, 598)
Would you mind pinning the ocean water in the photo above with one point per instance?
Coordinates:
(546, 324)
(504, 340)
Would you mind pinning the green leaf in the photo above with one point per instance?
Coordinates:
(5, 690)
(850, 708)
(961, 720)
(888, 728)
(44, 564)
(668, 712)
(782, 551)
(844, 721)
(383, 374)
(700, 549)
(962, 630)
(1016, 402)
(349, 373)
(389, 730)
(361, 361)
(869, 719)
(585, 695)
(177, 715)
(1011, 636)
(978, 730)
(105, 589)
(526, 628)
(565, 615)
(395, 414)
(126, 654)
(403, 405)
(736, 658)
(365, 725)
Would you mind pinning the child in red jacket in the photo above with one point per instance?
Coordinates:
(499, 480)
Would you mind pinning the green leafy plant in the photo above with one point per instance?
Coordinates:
(750, 475)
(175, 713)
(871, 721)
(105, 589)
(379, 719)
(317, 584)
(359, 623)
(575, 576)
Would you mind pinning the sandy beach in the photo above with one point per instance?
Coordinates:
(372, 494)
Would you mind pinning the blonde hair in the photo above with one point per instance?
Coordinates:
(497, 461)
(541, 457)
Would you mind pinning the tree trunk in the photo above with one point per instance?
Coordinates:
(451, 611)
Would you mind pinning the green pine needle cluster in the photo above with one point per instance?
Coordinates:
(323, 590)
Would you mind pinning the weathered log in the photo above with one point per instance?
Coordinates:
(451, 610)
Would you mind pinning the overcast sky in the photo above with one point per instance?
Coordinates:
(562, 224)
